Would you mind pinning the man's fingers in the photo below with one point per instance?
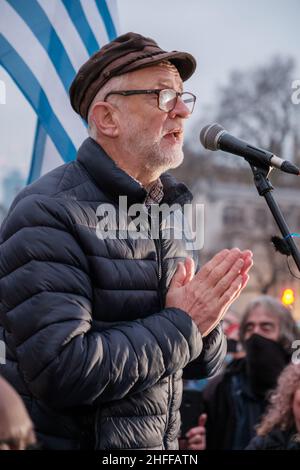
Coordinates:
(246, 254)
(198, 430)
(245, 279)
(228, 296)
(241, 266)
(215, 263)
(190, 269)
(197, 439)
(202, 419)
(179, 276)
(226, 281)
(225, 266)
(200, 446)
(210, 265)
(248, 263)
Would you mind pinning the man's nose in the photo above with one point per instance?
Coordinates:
(180, 109)
(256, 330)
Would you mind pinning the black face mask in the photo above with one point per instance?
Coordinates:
(265, 359)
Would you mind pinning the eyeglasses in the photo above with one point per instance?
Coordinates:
(166, 98)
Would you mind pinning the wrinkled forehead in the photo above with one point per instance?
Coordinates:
(164, 75)
(260, 314)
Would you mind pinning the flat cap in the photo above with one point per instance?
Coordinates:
(126, 53)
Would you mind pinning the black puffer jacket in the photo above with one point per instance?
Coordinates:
(90, 347)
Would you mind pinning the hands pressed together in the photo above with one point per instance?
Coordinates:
(207, 295)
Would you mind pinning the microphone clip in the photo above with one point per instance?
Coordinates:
(281, 245)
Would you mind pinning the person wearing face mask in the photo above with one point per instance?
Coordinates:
(236, 399)
(280, 426)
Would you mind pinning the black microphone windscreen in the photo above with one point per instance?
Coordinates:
(209, 134)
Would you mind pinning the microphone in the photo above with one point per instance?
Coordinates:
(215, 137)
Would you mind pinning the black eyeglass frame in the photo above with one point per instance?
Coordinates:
(157, 92)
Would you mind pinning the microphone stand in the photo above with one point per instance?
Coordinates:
(264, 188)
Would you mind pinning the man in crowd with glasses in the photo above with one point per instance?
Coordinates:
(99, 327)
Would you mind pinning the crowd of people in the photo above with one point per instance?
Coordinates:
(243, 407)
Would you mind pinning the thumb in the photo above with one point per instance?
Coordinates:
(190, 269)
(202, 419)
(179, 276)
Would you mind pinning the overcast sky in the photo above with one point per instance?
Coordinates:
(222, 34)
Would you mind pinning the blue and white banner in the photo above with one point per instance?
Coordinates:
(43, 43)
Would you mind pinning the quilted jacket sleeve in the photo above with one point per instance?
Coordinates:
(46, 307)
(211, 358)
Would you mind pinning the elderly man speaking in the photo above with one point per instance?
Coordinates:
(98, 330)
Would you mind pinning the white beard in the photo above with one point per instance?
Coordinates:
(150, 152)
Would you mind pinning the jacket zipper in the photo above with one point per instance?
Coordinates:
(159, 261)
(170, 403)
(158, 245)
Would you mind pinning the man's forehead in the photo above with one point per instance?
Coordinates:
(158, 75)
(261, 315)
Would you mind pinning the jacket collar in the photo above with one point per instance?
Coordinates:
(116, 182)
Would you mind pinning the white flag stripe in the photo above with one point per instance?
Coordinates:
(66, 31)
(41, 66)
(95, 21)
(51, 157)
(112, 8)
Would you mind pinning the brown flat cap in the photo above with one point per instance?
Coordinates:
(124, 54)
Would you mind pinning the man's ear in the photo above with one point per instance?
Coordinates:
(105, 119)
